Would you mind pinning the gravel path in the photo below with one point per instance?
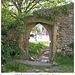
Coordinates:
(34, 63)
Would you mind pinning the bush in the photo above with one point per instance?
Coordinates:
(9, 50)
(71, 45)
(62, 59)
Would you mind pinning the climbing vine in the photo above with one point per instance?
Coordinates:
(55, 11)
(65, 8)
(17, 24)
(20, 29)
(52, 15)
(47, 16)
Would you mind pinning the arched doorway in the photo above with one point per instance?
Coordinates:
(39, 43)
(50, 27)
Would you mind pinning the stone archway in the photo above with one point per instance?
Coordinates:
(61, 30)
(50, 27)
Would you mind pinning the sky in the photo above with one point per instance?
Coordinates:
(73, 0)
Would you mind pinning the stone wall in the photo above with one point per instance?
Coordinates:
(65, 23)
(13, 36)
(65, 29)
(61, 30)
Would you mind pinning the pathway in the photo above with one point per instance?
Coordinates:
(42, 58)
(43, 55)
(36, 63)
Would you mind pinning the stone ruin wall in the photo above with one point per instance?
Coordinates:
(65, 23)
(13, 36)
(65, 32)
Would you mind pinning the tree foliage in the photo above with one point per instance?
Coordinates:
(8, 21)
(36, 29)
(14, 11)
(27, 6)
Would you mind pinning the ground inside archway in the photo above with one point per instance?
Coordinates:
(42, 59)
(43, 55)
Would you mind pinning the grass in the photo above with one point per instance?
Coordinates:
(35, 46)
(15, 66)
(22, 67)
(61, 59)
(67, 69)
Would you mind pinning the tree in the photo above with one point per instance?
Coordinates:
(18, 9)
(24, 7)
(36, 29)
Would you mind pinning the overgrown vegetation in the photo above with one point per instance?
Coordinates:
(61, 59)
(52, 15)
(35, 46)
(46, 16)
(64, 9)
(22, 67)
(9, 22)
(9, 50)
(71, 45)
(14, 66)
(55, 11)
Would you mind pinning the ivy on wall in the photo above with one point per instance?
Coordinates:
(52, 15)
(20, 29)
(47, 16)
(64, 9)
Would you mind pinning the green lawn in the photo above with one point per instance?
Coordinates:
(35, 46)
(21, 67)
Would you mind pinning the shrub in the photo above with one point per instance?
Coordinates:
(9, 50)
(64, 60)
